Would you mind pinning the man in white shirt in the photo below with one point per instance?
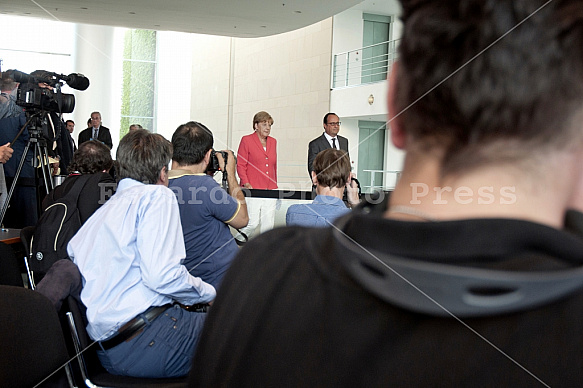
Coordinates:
(130, 255)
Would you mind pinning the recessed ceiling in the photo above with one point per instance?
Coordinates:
(238, 18)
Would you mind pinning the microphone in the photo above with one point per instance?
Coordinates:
(76, 81)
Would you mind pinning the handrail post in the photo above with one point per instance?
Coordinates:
(347, 68)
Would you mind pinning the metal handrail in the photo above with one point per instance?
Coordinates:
(351, 69)
(372, 45)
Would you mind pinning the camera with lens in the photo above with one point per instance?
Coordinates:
(32, 96)
(213, 165)
(41, 90)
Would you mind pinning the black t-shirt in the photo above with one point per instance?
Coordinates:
(292, 311)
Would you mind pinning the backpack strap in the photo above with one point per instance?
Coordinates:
(75, 191)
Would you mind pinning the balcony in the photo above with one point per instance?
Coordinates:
(362, 66)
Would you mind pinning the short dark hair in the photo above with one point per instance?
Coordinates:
(141, 156)
(191, 142)
(510, 92)
(332, 167)
(69, 121)
(7, 81)
(329, 114)
(92, 156)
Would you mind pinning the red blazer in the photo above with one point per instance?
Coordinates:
(256, 165)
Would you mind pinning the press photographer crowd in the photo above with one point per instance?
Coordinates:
(154, 222)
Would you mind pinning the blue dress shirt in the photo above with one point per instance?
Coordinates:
(321, 212)
(130, 254)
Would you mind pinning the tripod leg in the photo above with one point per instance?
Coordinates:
(12, 187)
(44, 165)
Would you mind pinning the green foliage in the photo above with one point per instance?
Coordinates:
(139, 76)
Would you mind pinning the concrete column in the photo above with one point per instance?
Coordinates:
(95, 57)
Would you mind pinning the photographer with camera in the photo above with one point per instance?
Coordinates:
(206, 209)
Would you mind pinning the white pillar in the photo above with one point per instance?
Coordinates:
(95, 57)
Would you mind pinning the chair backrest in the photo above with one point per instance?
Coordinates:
(33, 345)
(92, 372)
(25, 237)
(9, 271)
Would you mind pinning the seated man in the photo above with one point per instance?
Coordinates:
(465, 276)
(206, 209)
(331, 175)
(90, 165)
(130, 255)
(91, 158)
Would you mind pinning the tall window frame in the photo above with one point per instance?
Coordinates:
(140, 62)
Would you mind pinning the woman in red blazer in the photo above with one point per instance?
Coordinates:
(257, 169)
(257, 156)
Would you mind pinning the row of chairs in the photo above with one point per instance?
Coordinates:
(43, 348)
(36, 352)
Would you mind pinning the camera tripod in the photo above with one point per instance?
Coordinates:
(36, 121)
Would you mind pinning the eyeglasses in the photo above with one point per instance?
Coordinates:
(335, 124)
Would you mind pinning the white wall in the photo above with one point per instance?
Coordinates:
(351, 103)
(348, 30)
(97, 57)
(287, 75)
(210, 85)
(173, 81)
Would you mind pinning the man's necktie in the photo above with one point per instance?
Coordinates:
(94, 134)
(334, 142)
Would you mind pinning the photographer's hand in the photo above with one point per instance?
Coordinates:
(5, 152)
(242, 217)
(231, 164)
(352, 191)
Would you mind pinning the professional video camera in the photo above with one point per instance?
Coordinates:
(40, 94)
(41, 90)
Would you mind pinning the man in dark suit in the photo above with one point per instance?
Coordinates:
(96, 131)
(329, 139)
(70, 124)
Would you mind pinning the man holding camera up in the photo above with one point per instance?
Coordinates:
(206, 209)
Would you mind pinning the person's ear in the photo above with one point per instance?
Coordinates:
(314, 178)
(163, 177)
(398, 136)
(207, 157)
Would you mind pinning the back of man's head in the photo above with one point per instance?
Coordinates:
(142, 155)
(332, 168)
(91, 157)
(490, 81)
(191, 142)
(7, 83)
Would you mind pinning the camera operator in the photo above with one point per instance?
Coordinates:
(23, 209)
(206, 209)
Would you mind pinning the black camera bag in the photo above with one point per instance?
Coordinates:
(55, 227)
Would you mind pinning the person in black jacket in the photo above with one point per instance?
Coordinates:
(328, 139)
(470, 274)
(92, 157)
(96, 132)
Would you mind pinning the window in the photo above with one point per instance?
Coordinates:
(139, 80)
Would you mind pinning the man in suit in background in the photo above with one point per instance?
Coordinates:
(70, 124)
(96, 131)
(329, 139)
